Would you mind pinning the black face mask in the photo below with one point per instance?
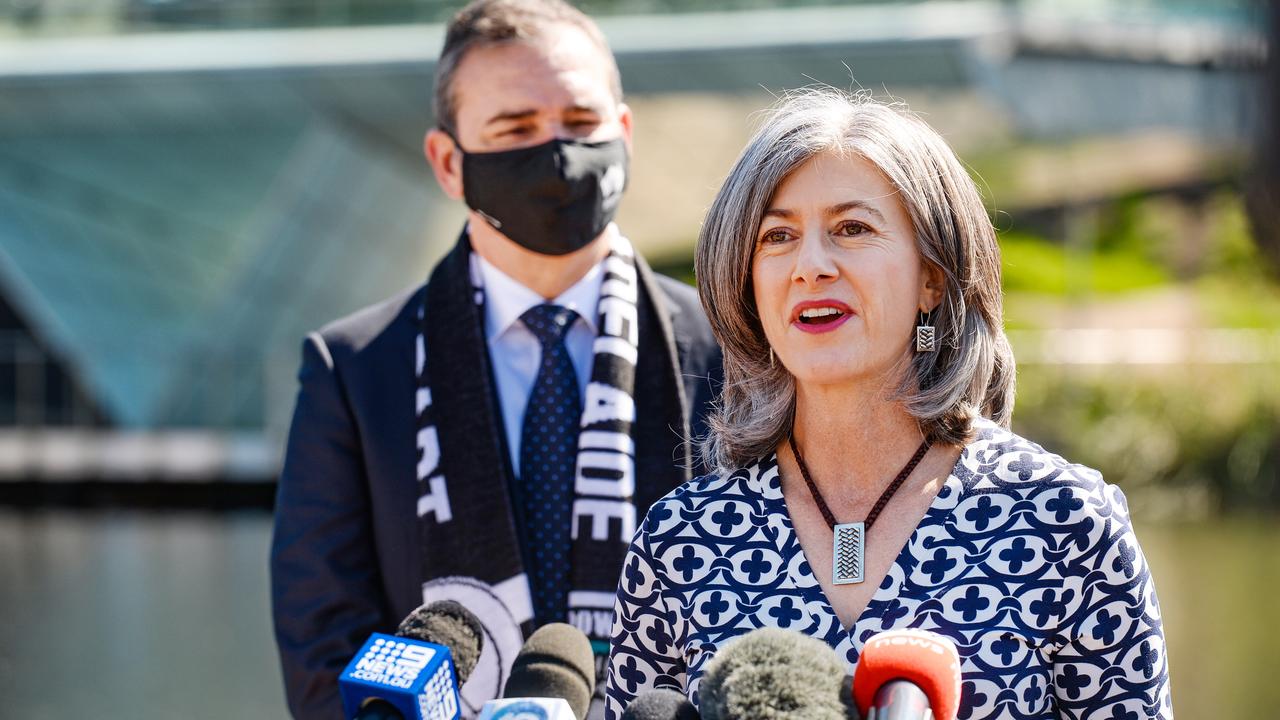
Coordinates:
(553, 198)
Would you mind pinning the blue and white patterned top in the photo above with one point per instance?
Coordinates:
(1026, 561)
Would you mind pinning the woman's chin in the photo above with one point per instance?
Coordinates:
(846, 369)
(829, 375)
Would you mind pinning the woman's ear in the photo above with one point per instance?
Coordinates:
(933, 285)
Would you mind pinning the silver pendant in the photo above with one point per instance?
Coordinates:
(847, 554)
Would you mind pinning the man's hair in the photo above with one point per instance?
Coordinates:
(972, 372)
(493, 22)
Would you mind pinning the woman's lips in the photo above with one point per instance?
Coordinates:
(821, 327)
(822, 323)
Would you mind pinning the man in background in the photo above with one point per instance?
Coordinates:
(493, 436)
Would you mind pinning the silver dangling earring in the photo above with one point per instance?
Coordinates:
(771, 362)
(924, 333)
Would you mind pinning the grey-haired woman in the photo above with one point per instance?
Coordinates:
(867, 476)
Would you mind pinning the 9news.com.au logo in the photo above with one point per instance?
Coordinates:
(391, 663)
(439, 699)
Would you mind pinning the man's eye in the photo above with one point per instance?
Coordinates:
(516, 131)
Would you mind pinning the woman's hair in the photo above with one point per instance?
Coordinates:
(972, 371)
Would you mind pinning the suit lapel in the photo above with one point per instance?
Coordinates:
(663, 452)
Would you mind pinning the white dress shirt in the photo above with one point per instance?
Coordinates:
(515, 351)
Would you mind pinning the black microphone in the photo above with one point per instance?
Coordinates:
(415, 673)
(773, 673)
(556, 662)
(448, 623)
(378, 709)
(661, 704)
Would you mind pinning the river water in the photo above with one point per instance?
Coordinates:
(129, 614)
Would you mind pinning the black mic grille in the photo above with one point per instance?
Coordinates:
(661, 704)
(555, 662)
(776, 674)
(448, 623)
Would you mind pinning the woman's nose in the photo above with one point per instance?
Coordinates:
(813, 259)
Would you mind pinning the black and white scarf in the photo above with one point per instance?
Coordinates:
(471, 535)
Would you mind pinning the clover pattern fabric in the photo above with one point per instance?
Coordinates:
(1027, 562)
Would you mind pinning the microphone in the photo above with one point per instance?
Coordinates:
(555, 672)
(448, 623)
(414, 674)
(908, 675)
(661, 704)
(774, 673)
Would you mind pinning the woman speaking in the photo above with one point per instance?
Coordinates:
(867, 476)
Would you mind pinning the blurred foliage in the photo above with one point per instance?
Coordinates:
(1137, 246)
(1182, 441)
(1239, 302)
(1033, 264)
(1238, 287)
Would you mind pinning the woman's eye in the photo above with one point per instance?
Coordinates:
(773, 237)
(852, 229)
(516, 131)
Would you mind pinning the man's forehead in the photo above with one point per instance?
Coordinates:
(560, 69)
(569, 45)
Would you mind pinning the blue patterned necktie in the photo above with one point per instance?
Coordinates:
(548, 454)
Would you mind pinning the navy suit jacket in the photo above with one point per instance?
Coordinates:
(345, 555)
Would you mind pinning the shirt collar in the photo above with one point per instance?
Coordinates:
(505, 299)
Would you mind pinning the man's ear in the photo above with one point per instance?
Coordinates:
(446, 161)
(625, 119)
(933, 285)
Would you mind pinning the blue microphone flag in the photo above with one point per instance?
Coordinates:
(415, 677)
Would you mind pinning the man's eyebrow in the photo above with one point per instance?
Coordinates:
(855, 205)
(582, 109)
(512, 115)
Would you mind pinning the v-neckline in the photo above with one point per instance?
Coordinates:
(946, 499)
